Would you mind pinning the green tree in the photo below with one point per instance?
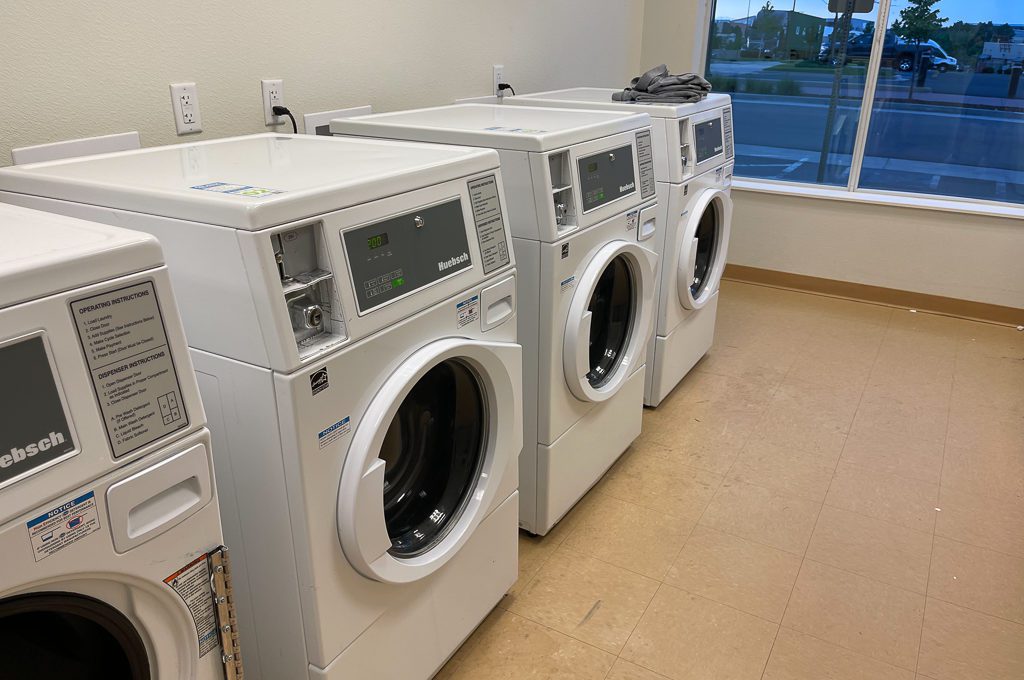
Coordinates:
(767, 26)
(918, 22)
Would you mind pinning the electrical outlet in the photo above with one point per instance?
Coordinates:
(273, 95)
(185, 105)
(499, 77)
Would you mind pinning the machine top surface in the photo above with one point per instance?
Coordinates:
(44, 253)
(250, 182)
(494, 125)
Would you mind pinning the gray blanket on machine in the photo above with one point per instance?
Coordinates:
(659, 86)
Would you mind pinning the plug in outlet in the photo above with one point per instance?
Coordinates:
(273, 95)
(185, 105)
(499, 77)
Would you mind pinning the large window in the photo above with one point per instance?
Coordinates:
(941, 82)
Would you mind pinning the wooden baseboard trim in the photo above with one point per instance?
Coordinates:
(965, 309)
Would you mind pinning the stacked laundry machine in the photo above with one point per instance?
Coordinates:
(109, 525)
(693, 160)
(351, 312)
(582, 205)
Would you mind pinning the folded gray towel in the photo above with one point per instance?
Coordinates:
(657, 85)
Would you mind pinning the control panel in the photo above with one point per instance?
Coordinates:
(397, 256)
(705, 140)
(606, 176)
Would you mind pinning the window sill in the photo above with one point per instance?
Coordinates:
(912, 201)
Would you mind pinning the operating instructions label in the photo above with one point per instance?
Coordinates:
(125, 343)
(490, 228)
(645, 156)
(63, 525)
(192, 584)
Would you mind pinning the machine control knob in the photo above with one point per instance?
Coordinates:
(611, 157)
(418, 221)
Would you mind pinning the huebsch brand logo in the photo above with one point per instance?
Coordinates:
(451, 262)
(627, 187)
(21, 454)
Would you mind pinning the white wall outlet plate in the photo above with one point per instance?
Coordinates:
(498, 77)
(185, 105)
(273, 95)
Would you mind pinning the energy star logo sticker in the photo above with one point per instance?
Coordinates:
(318, 381)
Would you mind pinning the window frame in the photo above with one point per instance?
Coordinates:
(853, 191)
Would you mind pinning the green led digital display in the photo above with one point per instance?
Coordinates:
(395, 283)
(377, 241)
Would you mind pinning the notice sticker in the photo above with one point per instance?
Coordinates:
(568, 283)
(467, 311)
(632, 219)
(65, 524)
(490, 229)
(334, 432)
(246, 190)
(192, 584)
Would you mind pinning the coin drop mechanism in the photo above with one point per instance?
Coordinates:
(308, 288)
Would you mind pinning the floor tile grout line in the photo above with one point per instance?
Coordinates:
(938, 501)
(975, 610)
(845, 648)
(980, 547)
(803, 557)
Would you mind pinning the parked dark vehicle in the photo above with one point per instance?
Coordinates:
(895, 53)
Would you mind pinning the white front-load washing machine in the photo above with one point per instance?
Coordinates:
(693, 161)
(351, 308)
(109, 527)
(582, 206)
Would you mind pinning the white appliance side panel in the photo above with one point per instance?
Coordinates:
(53, 316)
(207, 271)
(242, 408)
(528, 291)
(338, 603)
(666, 159)
(523, 205)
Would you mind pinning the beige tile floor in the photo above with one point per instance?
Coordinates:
(837, 491)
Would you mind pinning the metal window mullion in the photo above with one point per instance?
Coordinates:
(868, 100)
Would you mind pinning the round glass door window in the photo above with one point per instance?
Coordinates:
(67, 635)
(707, 241)
(611, 309)
(433, 451)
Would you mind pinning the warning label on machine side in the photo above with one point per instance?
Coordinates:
(467, 311)
(334, 432)
(133, 375)
(192, 584)
(61, 526)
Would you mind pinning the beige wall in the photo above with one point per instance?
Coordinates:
(75, 69)
(958, 255)
(674, 34)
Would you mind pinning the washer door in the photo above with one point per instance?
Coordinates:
(426, 458)
(609, 320)
(68, 635)
(705, 239)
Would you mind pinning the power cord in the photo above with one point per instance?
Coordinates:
(283, 111)
(505, 86)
